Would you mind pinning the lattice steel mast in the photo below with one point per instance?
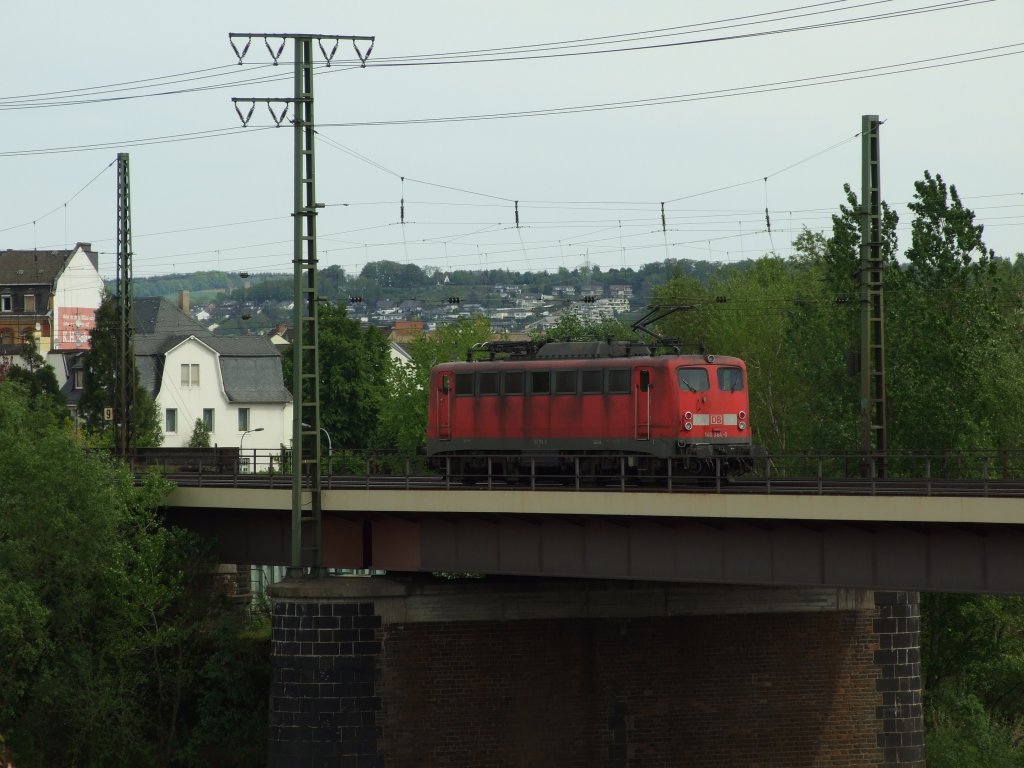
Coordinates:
(872, 351)
(124, 371)
(306, 529)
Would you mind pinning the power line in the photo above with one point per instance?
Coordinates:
(109, 145)
(65, 203)
(918, 65)
(121, 91)
(532, 56)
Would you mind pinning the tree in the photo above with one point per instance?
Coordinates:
(100, 372)
(972, 652)
(36, 375)
(354, 366)
(571, 326)
(111, 635)
(200, 435)
(950, 335)
(403, 418)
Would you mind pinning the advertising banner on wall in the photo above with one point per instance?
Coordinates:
(74, 324)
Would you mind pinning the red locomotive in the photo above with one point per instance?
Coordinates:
(593, 407)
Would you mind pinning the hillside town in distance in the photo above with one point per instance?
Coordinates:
(389, 295)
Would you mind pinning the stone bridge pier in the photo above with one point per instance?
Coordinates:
(398, 672)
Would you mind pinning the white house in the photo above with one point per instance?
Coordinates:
(233, 384)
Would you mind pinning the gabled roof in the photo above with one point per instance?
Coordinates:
(37, 267)
(155, 316)
(250, 366)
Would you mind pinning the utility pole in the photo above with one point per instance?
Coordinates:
(306, 528)
(124, 389)
(872, 331)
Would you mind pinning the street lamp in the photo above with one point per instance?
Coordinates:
(330, 448)
(241, 443)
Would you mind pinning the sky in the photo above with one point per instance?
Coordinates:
(716, 110)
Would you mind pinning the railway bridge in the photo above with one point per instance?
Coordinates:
(769, 624)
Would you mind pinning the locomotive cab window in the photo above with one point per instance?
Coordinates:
(730, 379)
(446, 383)
(590, 382)
(464, 384)
(513, 382)
(645, 380)
(540, 382)
(487, 384)
(694, 380)
(565, 382)
(618, 381)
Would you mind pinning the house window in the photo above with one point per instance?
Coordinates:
(30, 302)
(171, 421)
(243, 419)
(190, 374)
(6, 303)
(79, 375)
(208, 418)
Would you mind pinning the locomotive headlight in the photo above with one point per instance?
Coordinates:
(742, 414)
(688, 426)
(688, 416)
(742, 425)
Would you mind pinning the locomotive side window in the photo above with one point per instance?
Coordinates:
(565, 382)
(487, 383)
(590, 382)
(618, 381)
(540, 382)
(645, 381)
(730, 379)
(694, 380)
(446, 383)
(463, 383)
(513, 382)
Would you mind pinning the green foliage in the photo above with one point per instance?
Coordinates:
(403, 417)
(571, 326)
(973, 667)
(100, 373)
(200, 437)
(354, 368)
(37, 377)
(962, 733)
(110, 632)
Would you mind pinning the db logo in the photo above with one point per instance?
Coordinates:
(717, 419)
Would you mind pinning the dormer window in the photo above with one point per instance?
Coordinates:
(30, 302)
(6, 303)
(190, 374)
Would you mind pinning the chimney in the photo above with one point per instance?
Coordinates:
(183, 300)
(89, 253)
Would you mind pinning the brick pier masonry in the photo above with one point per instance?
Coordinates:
(392, 673)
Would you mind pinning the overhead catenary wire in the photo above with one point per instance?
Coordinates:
(63, 205)
(100, 93)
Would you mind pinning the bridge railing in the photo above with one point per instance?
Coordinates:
(991, 473)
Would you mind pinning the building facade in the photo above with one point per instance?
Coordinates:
(49, 296)
(234, 385)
